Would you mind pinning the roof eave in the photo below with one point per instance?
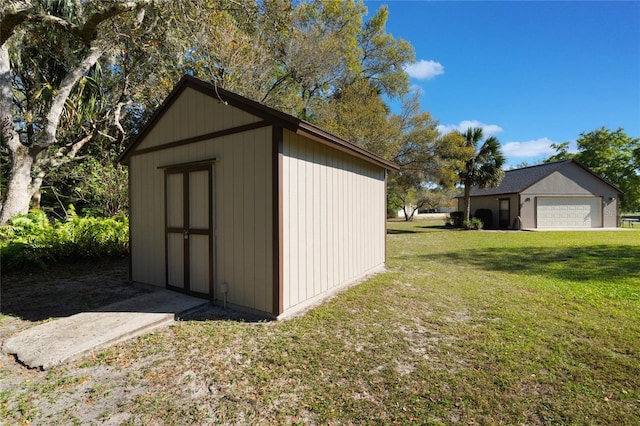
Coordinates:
(274, 116)
(315, 133)
(587, 169)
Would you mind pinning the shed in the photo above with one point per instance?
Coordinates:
(563, 194)
(238, 202)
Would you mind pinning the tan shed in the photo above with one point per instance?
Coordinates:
(232, 200)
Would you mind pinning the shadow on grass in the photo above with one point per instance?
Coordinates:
(65, 290)
(439, 228)
(402, 231)
(217, 313)
(420, 229)
(580, 264)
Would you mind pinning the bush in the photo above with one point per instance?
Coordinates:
(486, 216)
(456, 219)
(32, 240)
(475, 224)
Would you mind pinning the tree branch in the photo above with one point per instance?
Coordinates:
(48, 136)
(90, 27)
(20, 12)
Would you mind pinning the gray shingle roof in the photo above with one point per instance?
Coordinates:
(517, 180)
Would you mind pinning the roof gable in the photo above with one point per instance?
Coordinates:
(518, 180)
(270, 115)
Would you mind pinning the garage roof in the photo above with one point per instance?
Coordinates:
(517, 180)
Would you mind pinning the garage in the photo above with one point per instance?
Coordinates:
(563, 194)
(565, 212)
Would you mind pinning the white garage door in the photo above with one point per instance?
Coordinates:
(569, 212)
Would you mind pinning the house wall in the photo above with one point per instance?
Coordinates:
(242, 187)
(571, 181)
(333, 220)
(492, 203)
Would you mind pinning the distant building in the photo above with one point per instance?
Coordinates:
(564, 194)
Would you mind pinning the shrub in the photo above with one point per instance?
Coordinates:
(486, 216)
(456, 219)
(475, 224)
(32, 240)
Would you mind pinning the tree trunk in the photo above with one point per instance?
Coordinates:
(467, 200)
(16, 200)
(22, 185)
(19, 187)
(408, 217)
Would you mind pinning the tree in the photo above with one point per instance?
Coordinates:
(36, 103)
(88, 74)
(77, 74)
(426, 157)
(613, 155)
(372, 128)
(319, 49)
(414, 152)
(483, 168)
(562, 152)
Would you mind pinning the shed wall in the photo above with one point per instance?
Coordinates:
(194, 114)
(242, 201)
(333, 219)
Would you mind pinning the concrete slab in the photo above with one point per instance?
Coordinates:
(55, 342)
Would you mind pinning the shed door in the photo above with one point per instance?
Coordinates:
(569, 212)
(189, 231)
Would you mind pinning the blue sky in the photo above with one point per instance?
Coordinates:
(530, 73)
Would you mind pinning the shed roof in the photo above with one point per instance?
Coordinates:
(517, 180)
(269, 114)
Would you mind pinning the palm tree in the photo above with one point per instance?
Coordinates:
(483, 168)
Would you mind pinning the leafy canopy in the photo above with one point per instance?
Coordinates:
(611, 154)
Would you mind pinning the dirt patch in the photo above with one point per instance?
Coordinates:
(100, 388)
(30, 298)
(64, 290)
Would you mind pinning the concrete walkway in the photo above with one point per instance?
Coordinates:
(55, 342)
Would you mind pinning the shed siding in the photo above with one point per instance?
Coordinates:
(191, 115)
(242, 205)
(333, 219)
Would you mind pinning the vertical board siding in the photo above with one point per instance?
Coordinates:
(243, 215)
(190, 116)
(147, 217)
(333, 215)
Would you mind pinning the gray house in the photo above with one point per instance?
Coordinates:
(564, 194)
(233, 201)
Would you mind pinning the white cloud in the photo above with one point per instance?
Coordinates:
(487, 129)
(533, 148)
(424, 70)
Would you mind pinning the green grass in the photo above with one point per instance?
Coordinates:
(465, 327)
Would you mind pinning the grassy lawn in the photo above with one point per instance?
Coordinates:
(465, 327)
